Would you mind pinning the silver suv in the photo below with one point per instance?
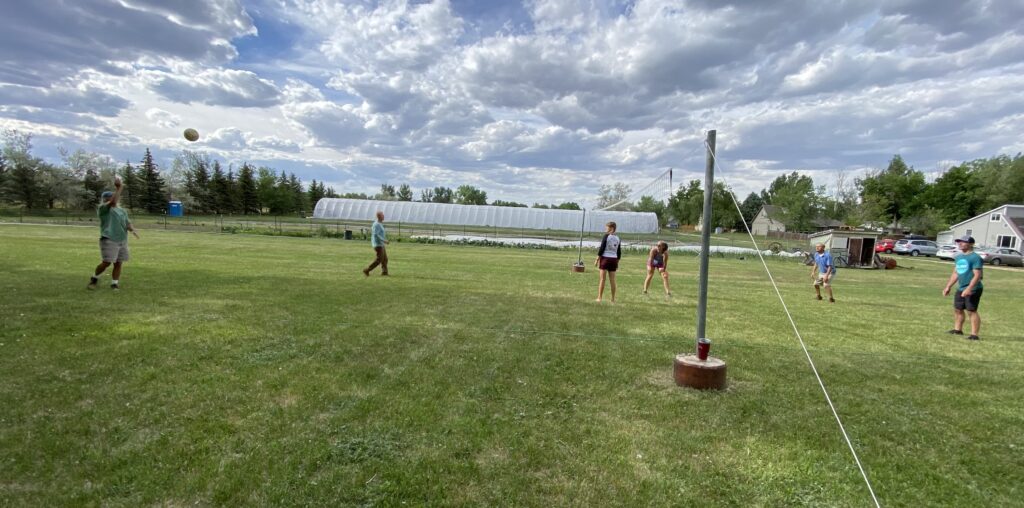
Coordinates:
(916, 247)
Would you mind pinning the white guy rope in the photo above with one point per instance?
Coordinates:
(797, 332)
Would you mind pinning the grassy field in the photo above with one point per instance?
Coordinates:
(251, 370)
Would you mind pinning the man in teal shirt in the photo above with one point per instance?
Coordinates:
(114, 228)
(967, 275)
(378, 239)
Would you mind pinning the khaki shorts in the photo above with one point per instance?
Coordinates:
(820, 281)
(113, 252)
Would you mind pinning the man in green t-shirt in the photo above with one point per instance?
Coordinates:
(114, 228)
(967, 275)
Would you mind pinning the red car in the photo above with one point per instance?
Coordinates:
(885, 245)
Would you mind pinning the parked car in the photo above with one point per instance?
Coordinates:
(885, 245)
(948, 252)
(1000, 256)
(916, 247)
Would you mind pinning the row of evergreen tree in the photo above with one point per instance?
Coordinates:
(462, 195)
(31, 182)
(201, 183)
(212, 190)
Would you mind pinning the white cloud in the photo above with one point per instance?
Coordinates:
(84, 98)
(41, 43)
(391, 36)
(297, 90)
(228, 138)
(337, 126)
(552, 97)
(564, 15)
(164, 119)
(222, 87)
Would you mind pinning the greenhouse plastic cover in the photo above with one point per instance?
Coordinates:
(491, 216)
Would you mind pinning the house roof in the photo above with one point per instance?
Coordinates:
(773, 212)
(1018, 224)
(985, 213)
(828, 223)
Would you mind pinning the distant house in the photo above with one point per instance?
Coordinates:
(769, 218)
(998, 227)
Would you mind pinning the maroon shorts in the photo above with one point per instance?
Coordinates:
(609, 264)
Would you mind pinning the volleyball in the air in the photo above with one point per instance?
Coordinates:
(191, 134)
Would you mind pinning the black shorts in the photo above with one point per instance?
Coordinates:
(970, 303)
(609, 264)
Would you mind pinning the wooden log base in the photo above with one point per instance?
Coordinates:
(703, 375)
(579, 268)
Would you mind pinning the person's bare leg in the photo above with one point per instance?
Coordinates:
(830, 297)
(817, 290)
(975, 322)
(600, 286)
(116, 274)
(958, 319)
(611, 279)
(647, 281)
(664, 281)
(100, 268)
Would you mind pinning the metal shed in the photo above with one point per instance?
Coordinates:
(856, 247)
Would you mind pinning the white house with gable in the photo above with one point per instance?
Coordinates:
(768, 218)
(999, 227)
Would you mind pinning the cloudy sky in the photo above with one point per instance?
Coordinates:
(533, 100)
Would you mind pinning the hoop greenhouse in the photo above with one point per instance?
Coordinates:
(489, 216)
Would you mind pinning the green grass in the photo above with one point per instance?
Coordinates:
(248, 370)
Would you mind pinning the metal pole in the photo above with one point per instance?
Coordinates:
(583, 224)
(705, 237)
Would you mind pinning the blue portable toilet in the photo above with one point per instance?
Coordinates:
(174, 209)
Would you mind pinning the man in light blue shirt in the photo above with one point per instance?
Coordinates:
(825, 271)
(378, 239)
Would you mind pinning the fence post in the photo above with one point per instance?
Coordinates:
(399, 229)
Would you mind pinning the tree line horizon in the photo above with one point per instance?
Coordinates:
(897, 196)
